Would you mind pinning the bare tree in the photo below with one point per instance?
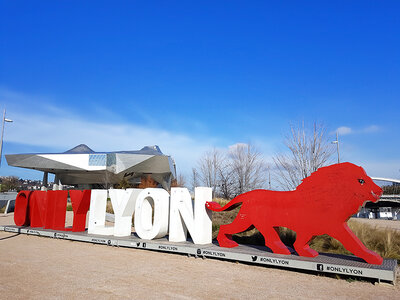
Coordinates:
(247, 167)
(180, 181)
(147, 182)
(308, 151)
(194, 179)
(209, 165)
(123, 184)
(9, 183)
(230, 173)
(226, 179)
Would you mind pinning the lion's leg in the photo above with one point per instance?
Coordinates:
(272, 240)
(301, 245)
(349, 240)
(225, 232)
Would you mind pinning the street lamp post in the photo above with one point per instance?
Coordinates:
(2, 133)
(269, 178)
(337, 145)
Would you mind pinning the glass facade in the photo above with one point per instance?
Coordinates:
(98, 160)
(111, 159)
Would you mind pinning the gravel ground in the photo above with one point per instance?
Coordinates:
(37, 267)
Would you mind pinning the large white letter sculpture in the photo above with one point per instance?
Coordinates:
(123, 202)
(182, 217)
(97, 214)
(145, 227)
(153, 209)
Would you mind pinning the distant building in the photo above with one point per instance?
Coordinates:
(84, 168)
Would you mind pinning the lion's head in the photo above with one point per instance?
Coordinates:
(344, 181)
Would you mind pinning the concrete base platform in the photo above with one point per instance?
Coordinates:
(324, 263)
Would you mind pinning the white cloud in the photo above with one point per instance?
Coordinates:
(371, 129)
(344, 130)
(237, 145)
(62, 132)
(40, 122)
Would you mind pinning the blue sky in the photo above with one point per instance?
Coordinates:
(119, 75)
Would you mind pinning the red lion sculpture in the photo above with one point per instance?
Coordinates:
(321, 204)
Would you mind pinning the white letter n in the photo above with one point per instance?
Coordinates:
(182, 217)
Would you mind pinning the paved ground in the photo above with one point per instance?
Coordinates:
(36, 268)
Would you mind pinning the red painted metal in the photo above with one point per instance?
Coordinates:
(60, 199)
(80, 205)
(21, 210)
(37, 208)
(321, 204)
(50, 209)
(41, 209)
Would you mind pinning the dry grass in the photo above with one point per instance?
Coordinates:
(109, 207)
(386, 242)
(252, 236)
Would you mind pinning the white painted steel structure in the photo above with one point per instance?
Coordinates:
(86, 168)
(386, 179)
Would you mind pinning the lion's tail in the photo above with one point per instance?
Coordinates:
(235, 202)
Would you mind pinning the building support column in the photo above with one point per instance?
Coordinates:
(45, 181)
(56, 186)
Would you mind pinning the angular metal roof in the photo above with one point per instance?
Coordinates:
(82, 165)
